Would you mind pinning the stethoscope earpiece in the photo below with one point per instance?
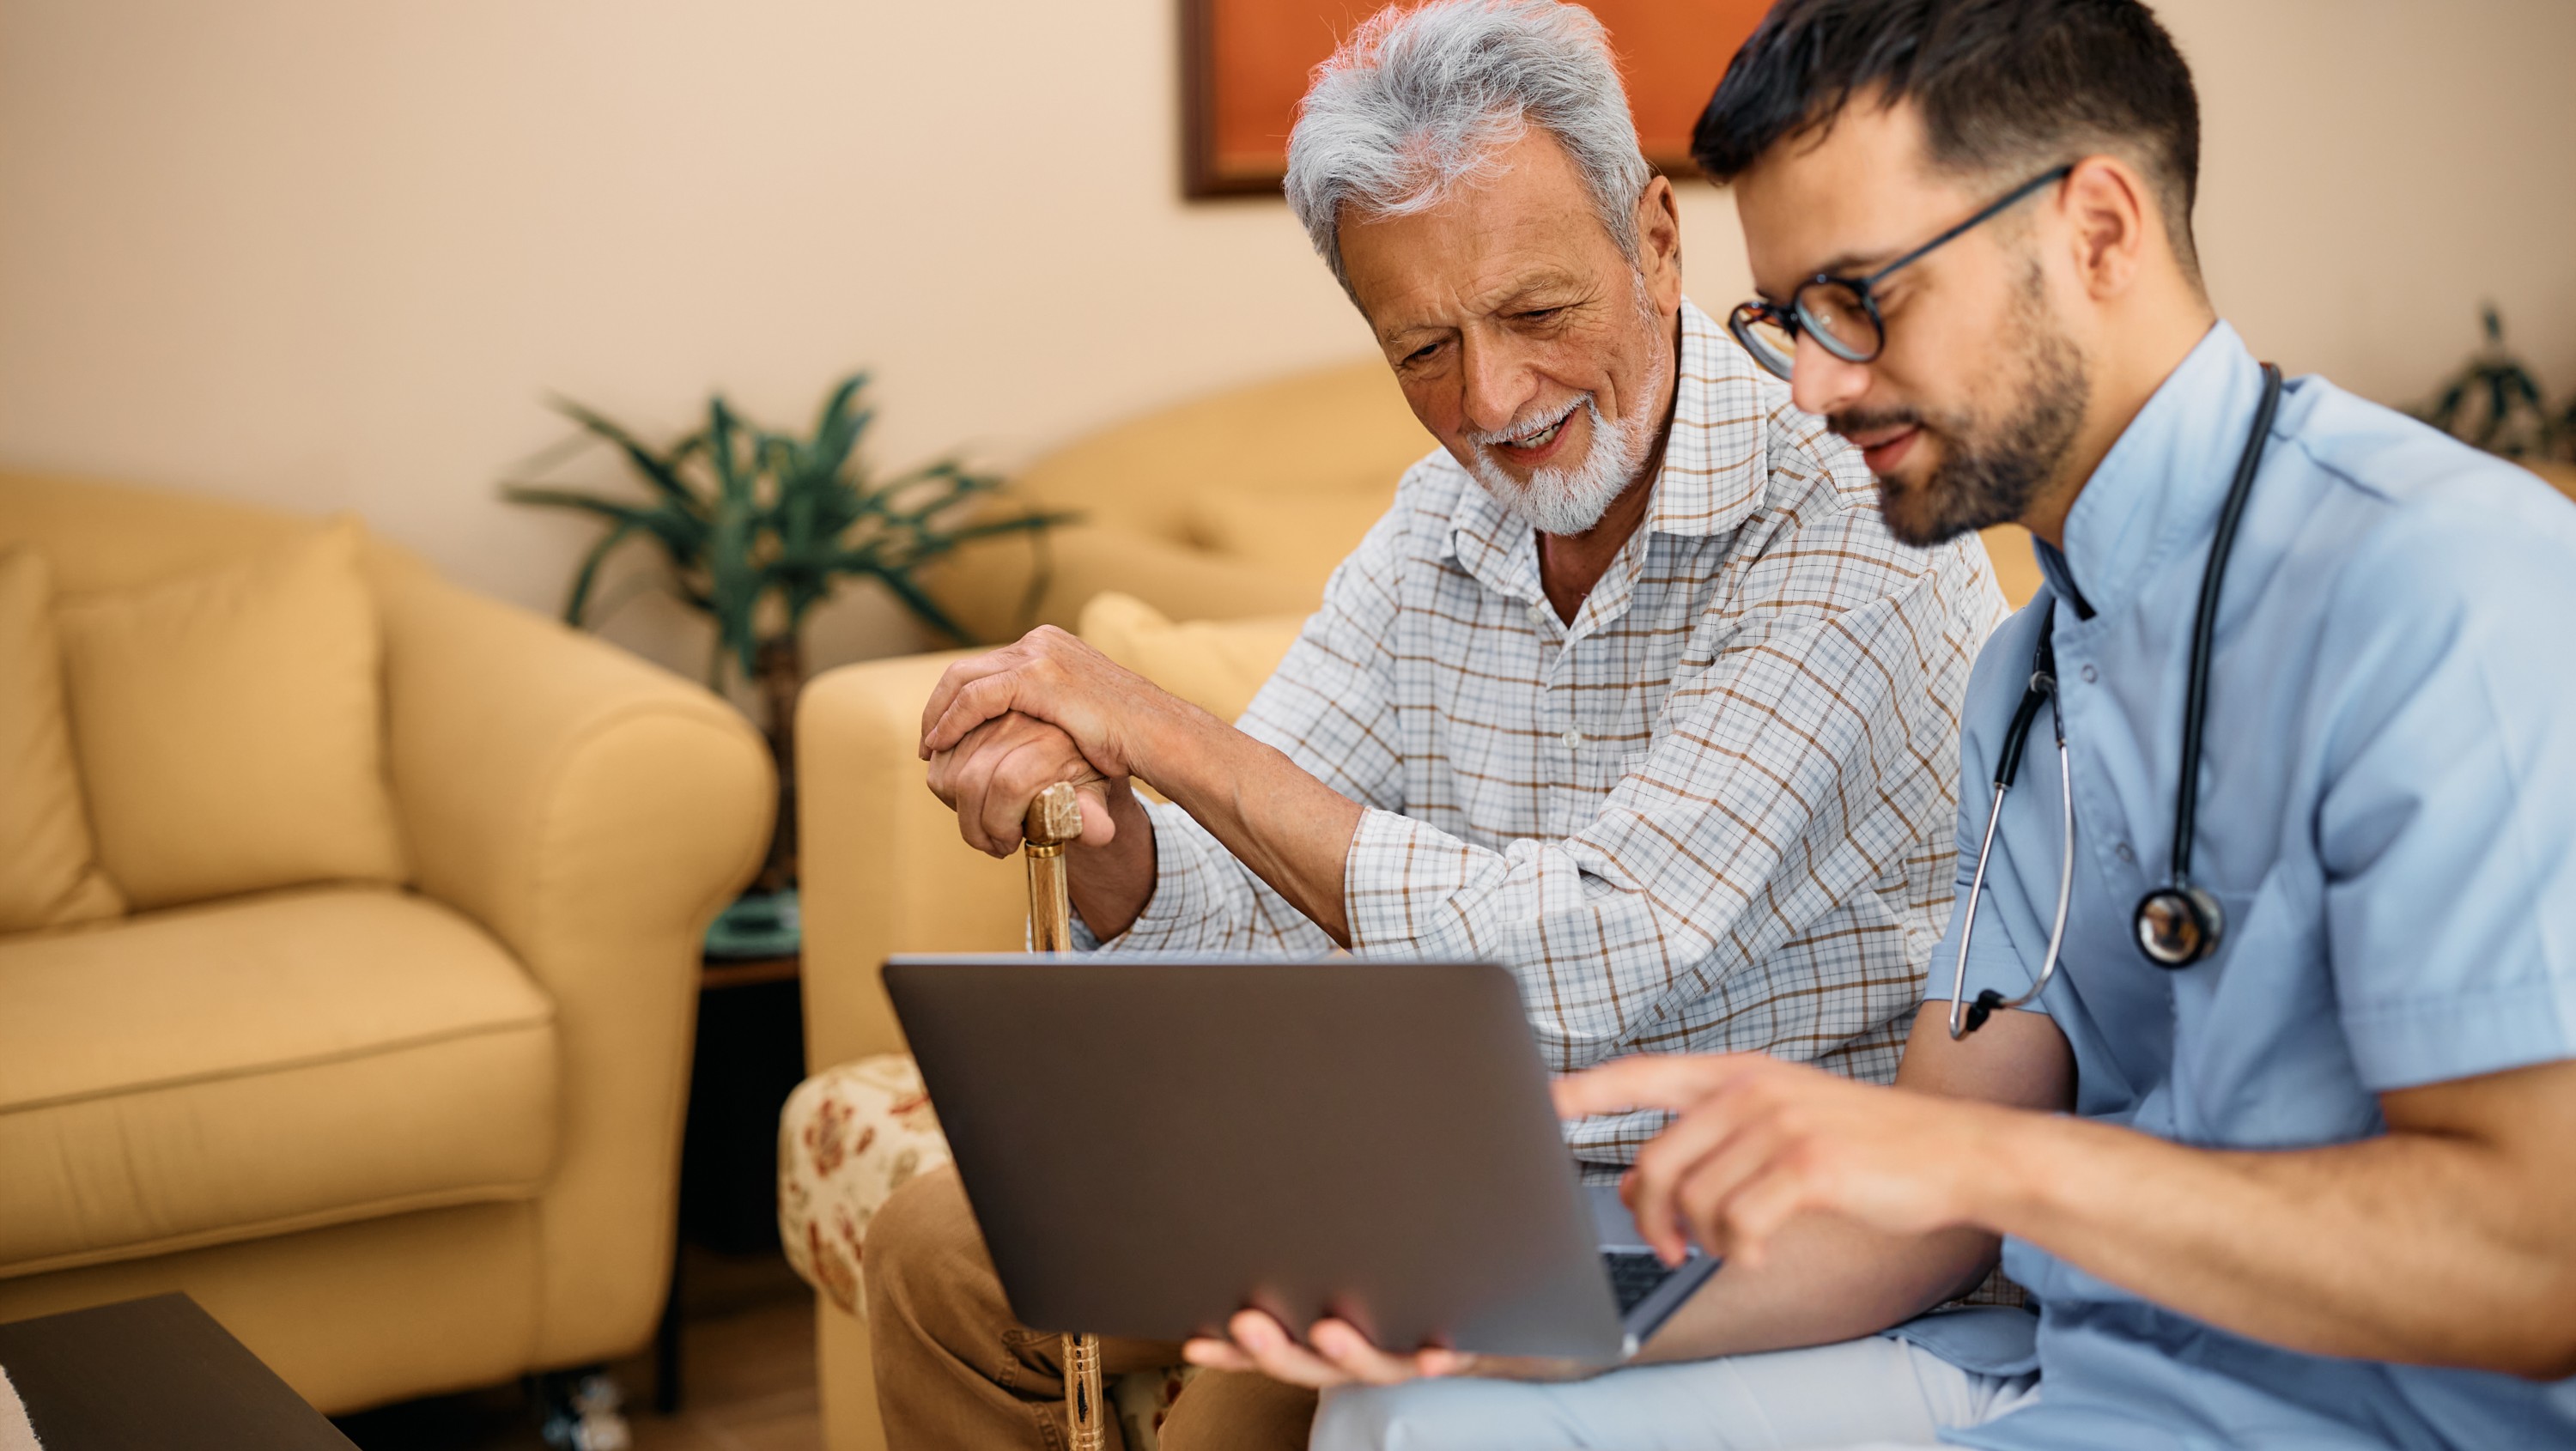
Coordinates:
(2178, 926)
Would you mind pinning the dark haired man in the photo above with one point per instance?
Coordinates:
(2300, 986)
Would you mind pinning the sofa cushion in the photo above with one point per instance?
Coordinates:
(1306, 535)
(230, 726)
(243, 1068)
(49, 874)
(1216, 665)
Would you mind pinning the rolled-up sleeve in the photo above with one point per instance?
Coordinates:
(1328, 707)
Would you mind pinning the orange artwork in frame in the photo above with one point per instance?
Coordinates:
(1245, 64)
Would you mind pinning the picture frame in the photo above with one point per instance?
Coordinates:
(1245, 64)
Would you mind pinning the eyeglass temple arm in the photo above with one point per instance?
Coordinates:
(1971, 224)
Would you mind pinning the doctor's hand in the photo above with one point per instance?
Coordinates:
(1048, 675)
(1757, 1142)
(995, 770)
(1336, 1354)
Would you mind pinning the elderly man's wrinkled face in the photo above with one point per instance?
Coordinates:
(1537, 353)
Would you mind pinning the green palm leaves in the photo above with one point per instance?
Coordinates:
(757, 528)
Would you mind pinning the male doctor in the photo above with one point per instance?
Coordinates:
(2311, 1017)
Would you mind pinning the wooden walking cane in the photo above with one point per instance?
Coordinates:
(1054, 819)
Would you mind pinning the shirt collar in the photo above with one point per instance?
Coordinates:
(1712, 476)
(2157, 492)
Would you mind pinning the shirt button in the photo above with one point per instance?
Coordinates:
(2091, 674)
(2123, 853)
(1573, 740)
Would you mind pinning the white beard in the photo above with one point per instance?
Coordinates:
(1571, 498)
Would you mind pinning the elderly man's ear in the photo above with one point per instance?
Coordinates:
(1659, 243)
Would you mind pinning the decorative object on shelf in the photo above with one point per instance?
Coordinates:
(1245, 64)
(2495, 403)
(757, 925)
(756, 528)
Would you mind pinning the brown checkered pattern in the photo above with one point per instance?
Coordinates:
(1716, 812)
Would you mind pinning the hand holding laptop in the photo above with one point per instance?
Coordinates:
(1362, 1147)
(1756, 1141)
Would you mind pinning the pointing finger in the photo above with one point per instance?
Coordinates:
(1648, 1080)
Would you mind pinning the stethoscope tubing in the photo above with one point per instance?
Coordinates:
(1962, 1022)
(1966, 1018)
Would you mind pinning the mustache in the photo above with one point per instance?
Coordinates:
(1539, 421)
(1872, 420)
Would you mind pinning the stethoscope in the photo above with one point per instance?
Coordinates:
(2176, 924)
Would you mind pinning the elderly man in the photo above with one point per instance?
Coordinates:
(1631, 690)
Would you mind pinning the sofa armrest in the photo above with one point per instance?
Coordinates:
(592, 812)
(883, 867)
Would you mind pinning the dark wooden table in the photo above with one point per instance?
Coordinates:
(750, 1054)
(152, 1373)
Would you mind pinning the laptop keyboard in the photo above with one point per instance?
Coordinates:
(1633, 1277)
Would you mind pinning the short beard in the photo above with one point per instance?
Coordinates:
(1982, 482)
(1570, 499)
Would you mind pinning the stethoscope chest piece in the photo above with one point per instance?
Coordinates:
(2178, 926)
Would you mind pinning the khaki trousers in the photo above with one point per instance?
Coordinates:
(954, 1370)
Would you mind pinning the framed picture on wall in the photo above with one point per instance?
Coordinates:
(1245, 64)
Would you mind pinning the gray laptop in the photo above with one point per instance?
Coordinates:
(1152, 1144)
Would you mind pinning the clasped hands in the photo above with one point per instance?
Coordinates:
(1003, 726)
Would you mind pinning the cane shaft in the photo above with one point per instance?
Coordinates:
(1054, 819)
(1050, 909)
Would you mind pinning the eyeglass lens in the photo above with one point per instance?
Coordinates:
(1771, 344)
(1841, 320)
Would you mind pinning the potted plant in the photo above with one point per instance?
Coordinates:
(2495, 403)
(755, 529)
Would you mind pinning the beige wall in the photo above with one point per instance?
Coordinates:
(330, 255)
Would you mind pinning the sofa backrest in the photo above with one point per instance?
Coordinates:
(114, 536)
(1336, 430)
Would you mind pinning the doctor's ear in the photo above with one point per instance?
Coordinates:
(2112, 224)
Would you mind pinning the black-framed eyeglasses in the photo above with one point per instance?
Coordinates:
(1841, 313)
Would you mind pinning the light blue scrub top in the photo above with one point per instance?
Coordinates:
(2387, 814)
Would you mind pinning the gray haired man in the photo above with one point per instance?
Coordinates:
(1631, 690)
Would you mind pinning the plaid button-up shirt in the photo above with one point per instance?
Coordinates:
(1717, 811)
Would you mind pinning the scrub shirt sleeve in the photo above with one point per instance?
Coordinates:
(2447, 816)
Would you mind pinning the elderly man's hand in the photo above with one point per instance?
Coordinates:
(1053, 677)
(1336, 1353)
(1000, 766)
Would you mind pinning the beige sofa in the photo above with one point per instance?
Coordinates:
(407, 1136)
(1232, 505)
